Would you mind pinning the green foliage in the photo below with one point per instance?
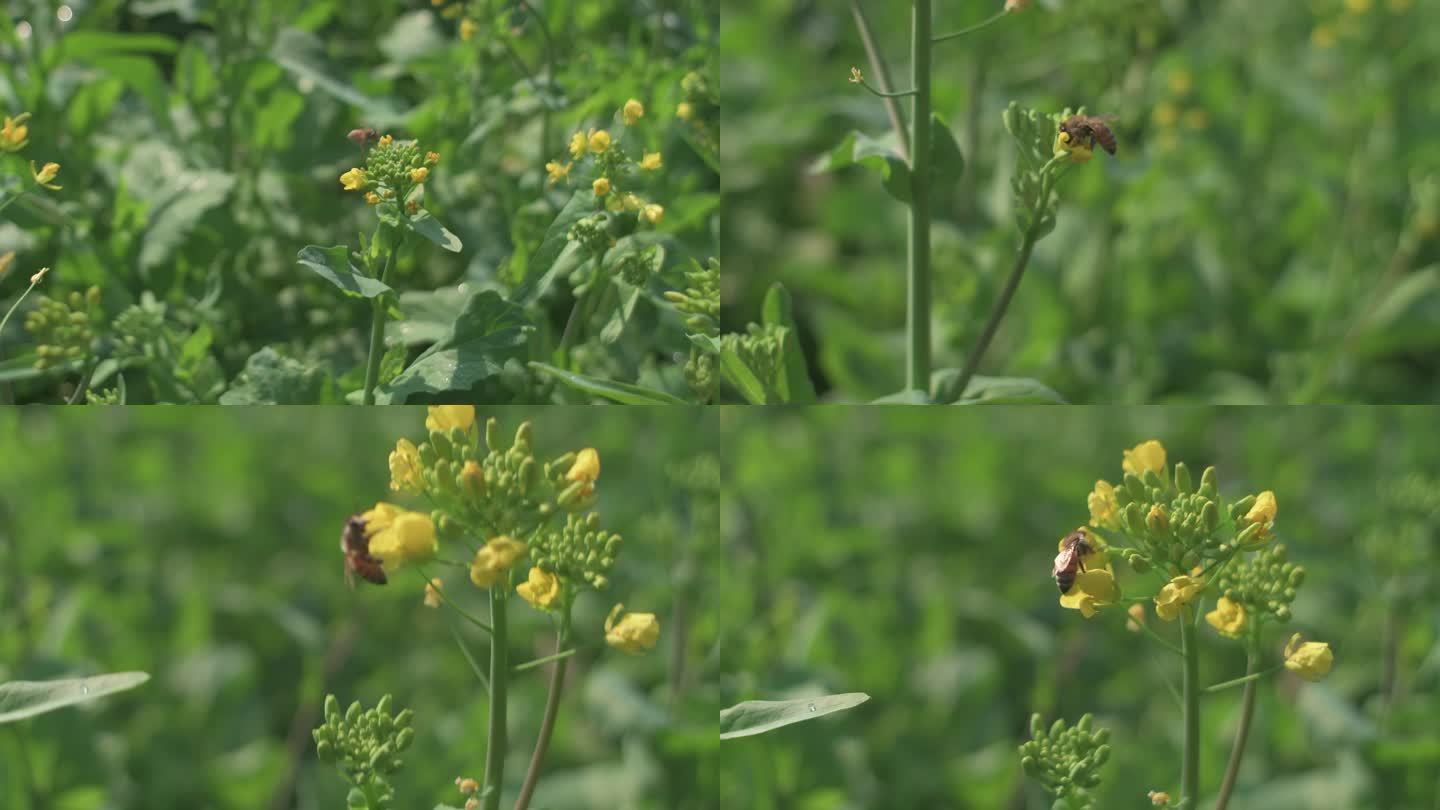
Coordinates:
(759, 716)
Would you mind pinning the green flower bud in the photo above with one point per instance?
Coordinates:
(326, 751)
(404, 738)
(1134, 519)
(1209, 486)
(1029, 765)
(356, 800)
(523, 435)
(1182, 477)
(332, 708)
(1134, 487)
(1102, 754)
(403, 719)
(492, 434)
(529, 475)
(1138, 563)
(1037, 727)
(443, 447)
(1210, 517)
(353, 713)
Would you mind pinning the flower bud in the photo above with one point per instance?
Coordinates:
(383, 707)
(1182, 477)
(492, 434)
(353, 713)
(1133, 487)
(404, 738)
(1157, 521)
(1210, 517)
(1037, 726)
(1134, 520)
(403, 719)
(441, 443)
(325, 751)
(332, 709)
(1209, 487)
(529, 475)
(356, 800)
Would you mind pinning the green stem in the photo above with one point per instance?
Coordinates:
(1160, 639)
(543, 661)
(882, 78)
(1237, 751)
(883, 94)
(1190, 686)
(917, 309)
(547, 725)
(377, 335)
(13, 307)
(1249, 678)
(495, 749)
(6, 203)
(425, 577)
(578, 315)
(976, 27)
(1017, 272)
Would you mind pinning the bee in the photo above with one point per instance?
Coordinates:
(1089, 130)
(362, 137)
(1071, 559)
(358, 560)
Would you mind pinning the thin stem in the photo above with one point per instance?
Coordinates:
(377, 335)
(882, 93)
(81, 386)
(446, 599)
(1237, 751)
(495, 747)
(542, 661)
(1190, 686)
(1248, 679)
(882, 78)
(470, 659)
(578, 314)
(976, 27)
(1017, 272)
(1160, 639)
(547, 725)
(32, 787)
(6, 203)
(549, 79)
(917, 309)
(13, 307)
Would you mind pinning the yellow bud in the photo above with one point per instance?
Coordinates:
(632, 112)
(601, 186)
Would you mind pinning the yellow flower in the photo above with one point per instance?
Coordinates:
(39, 274)
(631, 202)
(634, 633)
(1264, 509)
(1311, 660)
(1159, 798)
(599, 141)
(473, 479)
(386, 140)
(601, 186)
(685, 111)
(431, 158)
(1145, 456)
(354, 180)
(1079, 153)
(372, 198)
(577, 145)
(495, 558)
(468, 28)
(1136, 619)
(586, 466)
(1228, 618)
(1177, 592)
(651, 161)
(540, 589)
(1165, 115)
(405, 468)
(445, 418)
(1323, 37)
(632, 112)
(432, 592)
(614, 204)
(1104, 512)
(13, 136)
(398, 536)
(46, 174)
(557, 171)
(1094, 587)
(653, 213)
(419, 175)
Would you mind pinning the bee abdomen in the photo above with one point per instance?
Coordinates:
(1065, 580)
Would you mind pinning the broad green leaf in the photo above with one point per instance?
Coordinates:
(489, 332)
(541, 269)
(705, 343)
(333, 264)
(991, 390)
(425, 224)
(913, 396)
(629, 296)
(23, 368)
(880, 155)
(624, 393)
(759, 716)
(22, 699)
(302, 55)
(796, 387)
(739, 375)
(429, 314)
(82, 44)
(947, 164)
(272, 379)
(172, 225)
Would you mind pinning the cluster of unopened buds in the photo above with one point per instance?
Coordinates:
(394, 170)
(613, 170)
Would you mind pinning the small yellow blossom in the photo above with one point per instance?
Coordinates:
(1079, 153)
(405, 468)
(599, 141)
(432, 592)
(354, 180)
(1159, 798)
(653, 213)
(45, 174)
(14, 134)
(386, 140)
(578, 142)
(1228, 618)
(634, 633)
(1094, 587)
(419, 175)
(856, 77)
(651, 161)
(1310, 660)
(1016, 5)
(631, 202)
(1136, 619)
(1104, 511)
(1264, 509)
(558, 171)
(39, 274)
(466, 785)
(468, 27)
(445, 418)
(1177, 592)
(586, 466)
(540, 589)
(1165, 115)
(685, 111)
(601, 186)
(632, 112)
(431, 158)
(398, 536)
(1145, 456)
(495, 558)
(372, 198)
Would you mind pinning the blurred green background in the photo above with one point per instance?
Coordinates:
(1269, 231)
(907, 554)
(201, 546)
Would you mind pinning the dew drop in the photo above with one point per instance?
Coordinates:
(812, 707)
(84, 690)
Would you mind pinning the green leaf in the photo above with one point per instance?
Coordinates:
(202, 191)
(272, 379)
(913, 396)
(333, 264)
(991, 390)
(429, 227)
(302, 55)
(615, 327)
(880, 155)
(613, 390)
(489, 332)
(22, 699)
(759, 716)
(795, 385)
(947, 164)
(23, 368)
(429, 314)
(739, 375)
(543, 267)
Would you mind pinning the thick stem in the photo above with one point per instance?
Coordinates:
(547, 725)
(499, 678)
(917, 305)
(1190, 690)
(1237, 751)
(377, 337)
